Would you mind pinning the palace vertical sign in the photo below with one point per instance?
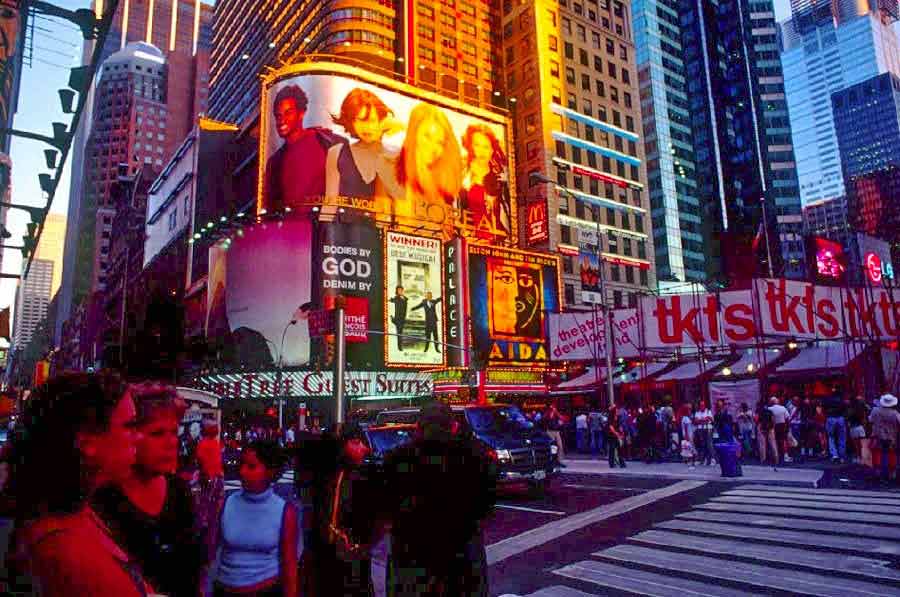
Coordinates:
(455, 263)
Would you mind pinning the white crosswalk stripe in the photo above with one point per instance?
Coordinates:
(754, 540)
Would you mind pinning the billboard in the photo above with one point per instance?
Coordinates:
(827, 259)
(511, 293)
(537, 221)
(257, 282)
(581, 335)
(409, 158)
(414, 313)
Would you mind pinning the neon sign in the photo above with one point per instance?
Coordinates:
(829, 257)
(876, 269)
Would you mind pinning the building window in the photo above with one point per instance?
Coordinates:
(626, 77)
(531, 150)
(570, 294)
(426, 32)
(565, 234)
(567, 265)
(617, 299)
(595, 40)
(610, 47)
(554, 69)
(583, 57)
(585, 82)
(553, 43)
(582, 33)
(611, 69)
(644, 278)
(570, 74)
(448, 61)
(615, 273)
(601, 88)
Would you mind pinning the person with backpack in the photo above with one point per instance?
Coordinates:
(765, 433)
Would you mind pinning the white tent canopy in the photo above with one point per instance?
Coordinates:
(823, 357)
(689, 371)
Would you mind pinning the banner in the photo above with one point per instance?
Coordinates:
(318, 384)
(414, 311)
(356, 319)
(510, 293)
(349, 258)
(772, 309)
(581, 335)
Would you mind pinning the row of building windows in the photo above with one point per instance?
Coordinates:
(620, 299)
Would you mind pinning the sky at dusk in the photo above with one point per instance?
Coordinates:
(57, 48)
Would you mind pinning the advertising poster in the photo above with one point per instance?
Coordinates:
(349, 264)
(332, 140)
(414, 311)
(455, 303)
(581, 335)
(511, 294)
(257, 284)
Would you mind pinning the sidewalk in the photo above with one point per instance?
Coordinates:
(793, 476)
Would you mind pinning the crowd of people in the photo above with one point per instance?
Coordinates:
(100, 506)
(774, 431)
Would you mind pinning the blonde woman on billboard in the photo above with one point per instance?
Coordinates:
(429, 168)
(359, 169)
(485, 183)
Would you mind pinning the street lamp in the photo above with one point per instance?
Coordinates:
(537, 177)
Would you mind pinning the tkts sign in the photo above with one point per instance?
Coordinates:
(772, 308)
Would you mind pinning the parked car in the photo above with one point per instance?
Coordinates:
(523, 453)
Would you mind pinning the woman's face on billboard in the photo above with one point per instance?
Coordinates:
(481, 147)
(430, 139)
(367, 125)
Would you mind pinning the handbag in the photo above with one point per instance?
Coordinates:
(346, 549)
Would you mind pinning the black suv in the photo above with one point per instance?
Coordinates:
(523, 453)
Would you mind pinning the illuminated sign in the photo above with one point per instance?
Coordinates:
(829, 259)
(334, 135)
(876, 269)
(600, 176)
(537, 222)
(510, 294)
(455, 302)
(414, 313)
(318, 384)
(501, 376)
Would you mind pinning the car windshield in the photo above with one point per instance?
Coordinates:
(506, 418)
(385, 440)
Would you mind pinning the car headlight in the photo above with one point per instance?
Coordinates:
(554, 449)
(504, 456)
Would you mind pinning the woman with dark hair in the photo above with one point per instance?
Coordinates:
(615, 437)
(485, 193)
(152, 511)
(259, 537)
(76, 435)
(355, 169)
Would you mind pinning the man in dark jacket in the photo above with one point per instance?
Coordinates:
(438, 491)
(431, 327)
(399, 319)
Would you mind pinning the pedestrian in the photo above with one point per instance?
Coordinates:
(666, 418)
(807, 435)
(745, 428)
(703, 431)
(647, 423)
(351, 524)
(857, 417)
(211, 483)
(836, 425)
(581, 432)
(438, 491)
(885, 427)
(259, 538)
(615, 438)
(76, 436)
(765, 434)
(289, 437)
(780, 417)
(152, 513)
(554, 424)
(595, 429)
(723, 423)
(688, 449)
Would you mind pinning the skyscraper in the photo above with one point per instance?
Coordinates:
(822, 55)
(573, 85)
(180, 32)
(867, 121)
(36, 290)
(445, 46)
(717, 138)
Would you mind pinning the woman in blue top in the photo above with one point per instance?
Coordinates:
(259, 538)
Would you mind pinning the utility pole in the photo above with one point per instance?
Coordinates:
(340, 360)
(607, 315)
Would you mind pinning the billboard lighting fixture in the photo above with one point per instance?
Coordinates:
(240, 214)
(341, 210)
(308, 39)
(263, 212)
(223, 219)
(400, 59)
(792, 345)
(197, 235)
(497, 93)
(315, 208)
(512, 99)
(271, 44)
(245, 56)
(287, 210)
(726, 371)
(209, 224)
(191, 240)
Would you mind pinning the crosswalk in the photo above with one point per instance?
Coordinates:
(286, 479)
(753, 540)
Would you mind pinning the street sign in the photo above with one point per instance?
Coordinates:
(321, 323)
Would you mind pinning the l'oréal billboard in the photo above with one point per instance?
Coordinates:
(333, 136)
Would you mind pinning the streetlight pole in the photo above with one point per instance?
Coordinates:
(278, 376)
(607, 313)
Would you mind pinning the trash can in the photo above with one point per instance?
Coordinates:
(728, 459)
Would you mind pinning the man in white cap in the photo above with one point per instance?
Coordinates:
(780, 418)
(885, 421)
